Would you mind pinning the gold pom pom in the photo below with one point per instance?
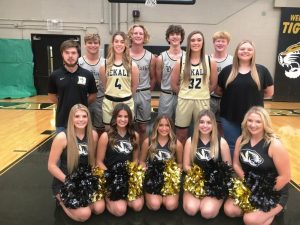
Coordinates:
(240, 193)
(100, 193)
(194, 182)
(172, 175)
(136, 178)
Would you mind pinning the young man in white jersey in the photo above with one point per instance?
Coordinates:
(145, 60)
(91, 61)
(221, 41)
(164, 65)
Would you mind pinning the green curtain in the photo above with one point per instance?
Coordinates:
(16, 69)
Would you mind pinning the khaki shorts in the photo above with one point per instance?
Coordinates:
(187, 109)
(108, 107)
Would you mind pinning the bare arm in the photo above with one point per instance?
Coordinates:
(179, 154)
(219, 91)
(134, 78)
(269, 91)
(152, 73)
(144, 153)
(92, 98)
(159, 69)
(53, 98)
(135, 157)
(225, 151)
(57, 147)
(187, 155)
(236, 161)
(175, 74)
(101, 150)
(102, 76)
(213, 75)
(282, 164)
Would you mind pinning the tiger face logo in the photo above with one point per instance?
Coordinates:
(290, 61)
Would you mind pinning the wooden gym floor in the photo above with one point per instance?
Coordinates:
(26, 130)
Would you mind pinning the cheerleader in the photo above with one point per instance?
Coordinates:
(116, 147)
(204, 146)
(258, 150)
(161, 146)
(72, 149)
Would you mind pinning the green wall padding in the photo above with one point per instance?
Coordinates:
(16, 69)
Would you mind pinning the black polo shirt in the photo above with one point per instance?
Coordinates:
(71, 89)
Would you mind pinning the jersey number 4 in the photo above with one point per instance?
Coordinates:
(195, 83)
(117, 84)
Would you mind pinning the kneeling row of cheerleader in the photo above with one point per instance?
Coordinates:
(91, 173)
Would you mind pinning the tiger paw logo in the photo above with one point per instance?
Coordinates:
(290, 61)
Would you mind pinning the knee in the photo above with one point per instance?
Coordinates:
(209, 213)
(138, 206)
(153, 205)
(170, 206)
(98, 207)
(190, 209)
(82, 215)
(118, 209)
(251, 220)
(232, 211)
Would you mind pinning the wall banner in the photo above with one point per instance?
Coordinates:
(287, 72)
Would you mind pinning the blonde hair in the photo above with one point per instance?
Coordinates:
(187, 65)
(235, 66)
(92, 37)
(126, 59)
(172, 144)
(269, 134)
(214, 139)
(221, 35)
(146, 34)
(72, 143)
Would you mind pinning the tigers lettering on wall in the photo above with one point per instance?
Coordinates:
(287, 73)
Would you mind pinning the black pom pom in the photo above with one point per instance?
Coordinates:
(78, 189)
(117, 181)
(154, 177)
(217, 176)
(261, 185)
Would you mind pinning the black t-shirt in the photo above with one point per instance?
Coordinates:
(71, 89)
(242, 93)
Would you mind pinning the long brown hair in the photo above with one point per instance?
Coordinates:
(113, 131)
(214, 139)
(126, 59)
(187, 62)
(235, 65)
(172, 144)
(72, 143)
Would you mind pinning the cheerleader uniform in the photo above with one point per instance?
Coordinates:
(255, 158)
(83, 161)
